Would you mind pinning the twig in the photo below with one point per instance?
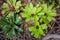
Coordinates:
(51, 36)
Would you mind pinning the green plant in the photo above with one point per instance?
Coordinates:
(11, 6)
(50, 1)
(56, 3)
(10, 26)
(41, 15)
(11, 21)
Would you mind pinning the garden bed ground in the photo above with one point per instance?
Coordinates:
(55, 29)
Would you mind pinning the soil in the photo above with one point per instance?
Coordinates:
(55, 28)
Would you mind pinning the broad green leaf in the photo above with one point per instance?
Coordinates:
(42, 13)
(17, 5)
(5, 5)
(6, 29)
(38, 5)
(41, 31)
(44, 26)
(38, 9)
(32, 28)
(18, 20)
(18, 29)
(49, 18)
(13, 2)
(9, 1)
(36, 35)
(3, 22)
(30, 6)
(13, 32)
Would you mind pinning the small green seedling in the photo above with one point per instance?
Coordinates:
(11, 6)
(10, 26)
(41, 15)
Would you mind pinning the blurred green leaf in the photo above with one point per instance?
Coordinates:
(41, 15)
